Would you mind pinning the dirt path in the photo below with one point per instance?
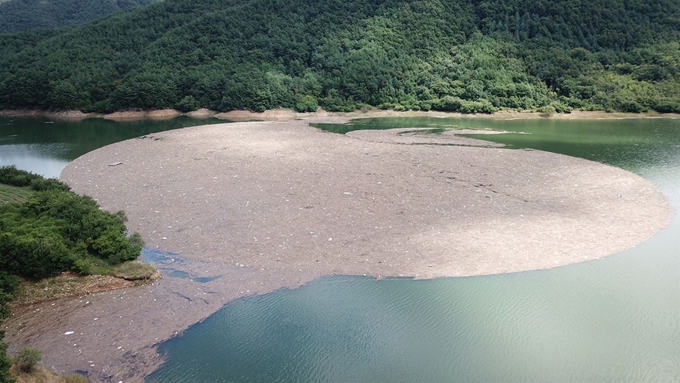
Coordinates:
(266, 205)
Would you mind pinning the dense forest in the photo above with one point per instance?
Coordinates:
(29, 15)
(451, 55)
(46, 229)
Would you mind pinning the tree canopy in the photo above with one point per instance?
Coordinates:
(56, 230)
(456, 55)
(29, 15)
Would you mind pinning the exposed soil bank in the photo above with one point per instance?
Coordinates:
(287, 114)
(69, 285)
(268, 205)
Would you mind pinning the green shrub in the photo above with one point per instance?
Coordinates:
(561, 107)
(5, 362)
(364, 107)
(10, 175)
(410, 103)
(448, 104)
(307, 104)
(56, 230)
(187, 104)
(666, 106)
(425, 105)
(28, 358)
(34, 255)
(630, 106)
(42, 184)
(547, 110)
(483, 106)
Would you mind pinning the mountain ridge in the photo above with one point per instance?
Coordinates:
(29, 15)
(460, 56)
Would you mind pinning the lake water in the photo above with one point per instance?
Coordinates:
(45, 146)
(612, 320)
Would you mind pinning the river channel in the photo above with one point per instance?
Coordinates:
(615, 319)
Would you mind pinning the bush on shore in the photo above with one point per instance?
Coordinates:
(53, 231)
(28, 358)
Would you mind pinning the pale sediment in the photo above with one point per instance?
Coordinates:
(288, 114)
(277, 204)
(161, 114)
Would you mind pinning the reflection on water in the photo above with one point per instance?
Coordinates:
(42, 159)
(610, 320)
(45, 147)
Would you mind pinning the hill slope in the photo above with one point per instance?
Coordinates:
(453, 55)
(27, 15)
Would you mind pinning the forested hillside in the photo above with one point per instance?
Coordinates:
(28, 15)
(452, 55)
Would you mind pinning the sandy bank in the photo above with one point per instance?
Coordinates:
(267, 205)
(162, 114)
(288, 114)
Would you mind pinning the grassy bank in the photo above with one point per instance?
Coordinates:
(14, 194)
(55, 244)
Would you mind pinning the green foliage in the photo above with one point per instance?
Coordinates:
(455, 104)
(56, 230)
(8, 286)
(307, 103)
(52, 231)
(28, 358)
(13, 194)
(24, 15)
(10, 175)
(547, 110)
(5, 362)
(470, 57)
(187, 104)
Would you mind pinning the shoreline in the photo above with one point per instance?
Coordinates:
(288, 114)
(69, 285)
(271, 205)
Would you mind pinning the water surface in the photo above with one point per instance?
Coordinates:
(46, 146)
(610, 320)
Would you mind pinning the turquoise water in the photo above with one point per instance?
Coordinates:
(612, 320)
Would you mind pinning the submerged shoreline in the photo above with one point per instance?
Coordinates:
(271, 205)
